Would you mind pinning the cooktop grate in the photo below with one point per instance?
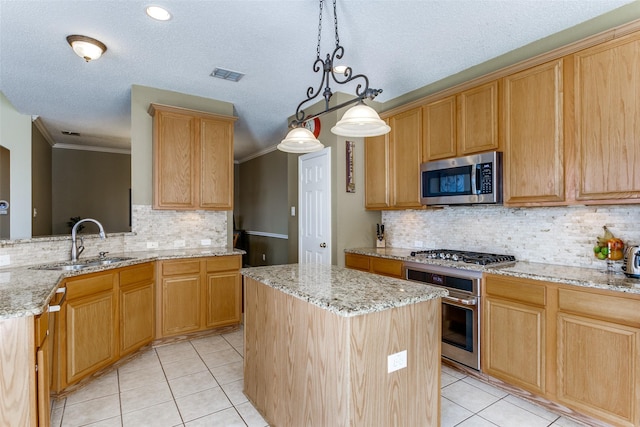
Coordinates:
(464, 256)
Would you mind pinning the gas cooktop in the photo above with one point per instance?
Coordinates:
(464, 256)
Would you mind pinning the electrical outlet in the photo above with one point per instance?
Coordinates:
(152, 245)
(417, 243)
(179, 244)
(293, 211)
(205, 242)
(396, 361)
(5, 260)
(264, 257)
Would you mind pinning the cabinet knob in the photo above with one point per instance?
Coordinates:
(323, 245)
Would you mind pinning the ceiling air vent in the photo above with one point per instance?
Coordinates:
(221, 73)
(70, 133)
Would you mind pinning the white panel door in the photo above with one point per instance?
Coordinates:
(314, 205)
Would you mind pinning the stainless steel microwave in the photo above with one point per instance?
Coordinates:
(472, 179)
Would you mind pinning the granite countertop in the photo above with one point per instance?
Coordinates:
(343, 291)
(577, 276)
(26, 291)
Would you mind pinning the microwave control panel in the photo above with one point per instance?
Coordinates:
(486, 177)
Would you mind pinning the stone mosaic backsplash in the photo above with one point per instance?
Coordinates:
(166, 228)
(553, 235)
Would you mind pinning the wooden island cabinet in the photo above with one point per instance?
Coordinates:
(368, 355)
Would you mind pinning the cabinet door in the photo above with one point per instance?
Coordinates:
(439, 127)
(607, 113)
(406, 157)
(136, 316)
(175, 161)
(514, 343)
(180, 304)
(43, 379)
(223, 299)
(216, 174)
(478, 119)
(90, 334)
(376, 172)
(598, 368)
(533, 136)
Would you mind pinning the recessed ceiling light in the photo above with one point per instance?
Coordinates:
(221, 73)
(158, 13)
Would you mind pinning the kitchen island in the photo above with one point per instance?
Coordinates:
(318, 340)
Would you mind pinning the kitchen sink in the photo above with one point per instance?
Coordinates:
(80, 265)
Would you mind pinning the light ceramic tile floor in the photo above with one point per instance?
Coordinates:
(199, 383)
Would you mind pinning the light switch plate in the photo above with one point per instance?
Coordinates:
(205, 242)
(179, 244)
(5, 260)
(397, 361)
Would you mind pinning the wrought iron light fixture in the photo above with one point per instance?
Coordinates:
(359, 121)
(85, 47)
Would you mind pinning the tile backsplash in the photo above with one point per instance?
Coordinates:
(165, 227)
(554, 235)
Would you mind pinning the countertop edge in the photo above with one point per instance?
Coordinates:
(51, 279)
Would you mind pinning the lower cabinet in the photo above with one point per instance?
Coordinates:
(88, 326)
(136, 307)
(599, 355)
(514, 339)
(579, 347)
(198, 294)
(373, 264)
(43, 368)
(180, 297)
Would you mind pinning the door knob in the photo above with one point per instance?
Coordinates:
(323, 245)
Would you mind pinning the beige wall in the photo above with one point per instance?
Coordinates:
(15, 135)
(101, 193)
(41, 188)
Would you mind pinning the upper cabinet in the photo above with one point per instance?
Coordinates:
(392, 164)
(461, 124)
(532, 135)
(193, 159)
(606, 113)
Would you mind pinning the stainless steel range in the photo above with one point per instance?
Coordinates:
(461, 309)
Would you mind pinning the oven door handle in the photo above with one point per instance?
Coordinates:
(470, 301)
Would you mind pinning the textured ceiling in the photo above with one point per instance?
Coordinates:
(400, 45)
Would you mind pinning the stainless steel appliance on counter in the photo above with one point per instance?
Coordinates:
(631, 265)
(461, 309)
(472, 179)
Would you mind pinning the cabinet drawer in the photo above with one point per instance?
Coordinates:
(515, 289)
(136, 274)
(222, 263)
(89, 285)
(358, 262)
(387, 267)
(624, 310)
(172, 268)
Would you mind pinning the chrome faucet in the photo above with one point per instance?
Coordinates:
(75, 250)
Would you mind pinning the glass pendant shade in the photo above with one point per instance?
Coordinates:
(360, 121)
(86, 47)
(300, 140)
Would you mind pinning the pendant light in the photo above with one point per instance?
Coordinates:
(359, 121)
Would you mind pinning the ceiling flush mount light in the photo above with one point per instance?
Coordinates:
(158, 13)
(86, 47)
(358, 121)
